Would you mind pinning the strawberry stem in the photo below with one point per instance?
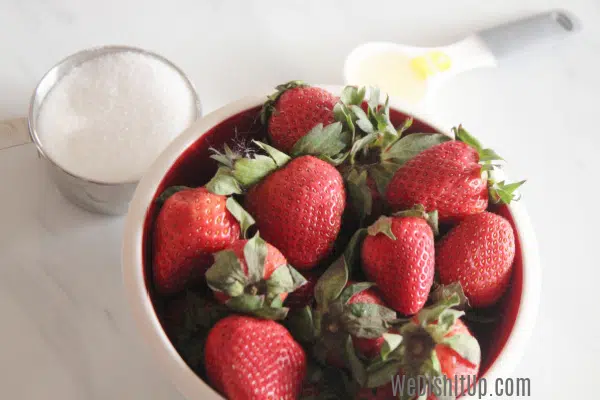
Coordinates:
(500, 192)
(504, 193)
(486, 156)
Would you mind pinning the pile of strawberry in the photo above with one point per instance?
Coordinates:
(312, 267)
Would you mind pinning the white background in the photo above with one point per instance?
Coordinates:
(64, 329)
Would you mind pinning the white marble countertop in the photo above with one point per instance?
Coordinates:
(66, 332)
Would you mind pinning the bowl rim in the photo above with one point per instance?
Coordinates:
(146, 319)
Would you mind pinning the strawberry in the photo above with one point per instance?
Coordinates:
(449, 178)
(252, 276)
(398, 255)
(298, 209)
(348, 312)
(446, 177)
(294, 110)
(305, 294)
(455, 361)
(479, 254)
(433, 343)
(248, 358)
(296, 203)
(367, 347)
(191, 225)
(458, 370)
(377, 150)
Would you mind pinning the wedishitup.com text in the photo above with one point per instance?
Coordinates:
(477, 388)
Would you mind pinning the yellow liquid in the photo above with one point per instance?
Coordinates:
(395, 74)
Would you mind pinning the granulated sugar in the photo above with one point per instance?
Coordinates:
(109, 118)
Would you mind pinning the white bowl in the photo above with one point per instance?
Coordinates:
(525, 303)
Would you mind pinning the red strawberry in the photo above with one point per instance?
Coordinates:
(366, 347)
(298, 208)
(451, 361)
(305, 294)
(377, 148)
(192, 224)
(369, 348)
(255, 276)
(479, 254)
(248, 358)
(435, 330)
(449, 177)
(294, 110)
(398, 255)
(446, 178)
(453, 365)
(348, 315)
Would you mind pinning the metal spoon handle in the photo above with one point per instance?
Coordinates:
(521, 35)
